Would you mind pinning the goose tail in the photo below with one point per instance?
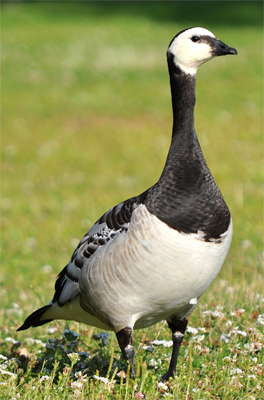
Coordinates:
(37, 318)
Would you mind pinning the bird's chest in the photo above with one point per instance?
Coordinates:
(175, 259)
(152, 270)
(166, 268)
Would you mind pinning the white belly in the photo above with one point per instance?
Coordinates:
(150, 272)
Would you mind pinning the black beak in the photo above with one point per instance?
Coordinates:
(221, 49)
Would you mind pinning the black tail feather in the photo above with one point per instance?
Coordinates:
(34, 319)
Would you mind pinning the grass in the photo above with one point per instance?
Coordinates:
(87, 122)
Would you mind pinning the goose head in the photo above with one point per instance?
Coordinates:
(194, 46)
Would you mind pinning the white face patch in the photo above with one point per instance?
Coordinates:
(188, 54)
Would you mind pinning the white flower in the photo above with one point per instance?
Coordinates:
(259, 296)
(164, 343)
(35, 341)
(44, 378)
(76, 385)
(236, 331)
(73, 357)
(253, 347)
(101, 379)
(260, 319)
(147, 348)
(11, 340)
(79, 375)
(192, 330)
(2, 357)
(236, 371)
(198, 338)
(224, 338)
(153, 363)
(202, 329)
(161, 386)
(4, 372)
(52, 329)
(214, 314)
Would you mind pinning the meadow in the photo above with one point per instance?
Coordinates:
(87, 123)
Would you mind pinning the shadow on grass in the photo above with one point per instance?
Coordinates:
(56, 360)
(61, 357)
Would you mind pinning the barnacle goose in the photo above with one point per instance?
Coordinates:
(151, 257)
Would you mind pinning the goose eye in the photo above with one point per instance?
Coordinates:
(195, 38)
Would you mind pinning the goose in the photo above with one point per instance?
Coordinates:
(151, 257)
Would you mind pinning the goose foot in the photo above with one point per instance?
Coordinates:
(124, 338)
(178, 328)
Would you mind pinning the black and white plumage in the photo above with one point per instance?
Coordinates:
(151, 257)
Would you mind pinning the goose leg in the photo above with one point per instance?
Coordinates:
(124, 338)
(178, 328)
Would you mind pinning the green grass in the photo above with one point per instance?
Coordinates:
(87, 119)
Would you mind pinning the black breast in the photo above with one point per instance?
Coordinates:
(187, 198)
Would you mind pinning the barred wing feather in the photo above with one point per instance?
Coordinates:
(111, 224)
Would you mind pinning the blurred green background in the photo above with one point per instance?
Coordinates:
(87, 119)
(87, 123)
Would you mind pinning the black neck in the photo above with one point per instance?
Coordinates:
(183, 98)
(186, 196)
(184, 141)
